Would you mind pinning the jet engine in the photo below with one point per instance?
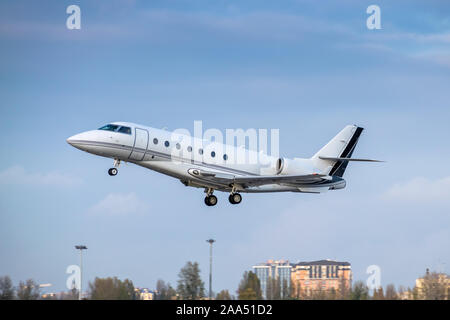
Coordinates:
(295, 166)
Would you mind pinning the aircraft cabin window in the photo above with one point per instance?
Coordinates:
(200, 151)
(126, 130)
(167, 144)
(189, 149)
(178, 146)
(155, 141)
(213, 154)
(225, 157)
(109, 127)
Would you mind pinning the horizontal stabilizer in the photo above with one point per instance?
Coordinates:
(348, 159)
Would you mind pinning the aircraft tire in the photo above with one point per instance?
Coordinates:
(235, 198)
(113, 171)
(211, 200)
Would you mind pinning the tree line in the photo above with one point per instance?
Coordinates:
(432, 286)
(189, 287)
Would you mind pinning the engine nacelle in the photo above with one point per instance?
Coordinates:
(296, 166)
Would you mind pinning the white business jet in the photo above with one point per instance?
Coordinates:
(214, 166)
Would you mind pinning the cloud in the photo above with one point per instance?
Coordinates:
(421, 190)
(119, 204)
(17, 175)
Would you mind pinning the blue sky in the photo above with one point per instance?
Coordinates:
(305, 68)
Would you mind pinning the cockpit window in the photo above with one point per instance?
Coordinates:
(109, 127)
(126, 130)
(116, 128)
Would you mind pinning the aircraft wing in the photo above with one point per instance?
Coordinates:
(251, 181)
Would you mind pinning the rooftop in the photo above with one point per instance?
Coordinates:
(322, 263)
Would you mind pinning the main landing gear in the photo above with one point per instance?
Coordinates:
(211, 200)
(113, 171)
(235, 198)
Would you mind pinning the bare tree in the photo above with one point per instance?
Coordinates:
(434, 286)
(164, 291)
(161, 290)
(285, 290)
(70, 295)
(332, 294)
(344, 290)
(273, 289)
(111, 289)
(319, 293)
(378, 293)
(28, 290)
(294, 290)
(6, 288)
(391, 293)
(403, 293)
(223, 295)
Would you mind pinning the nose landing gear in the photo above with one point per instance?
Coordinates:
(113, 171)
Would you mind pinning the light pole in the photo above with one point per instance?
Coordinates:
(210, 241)
(81, 248)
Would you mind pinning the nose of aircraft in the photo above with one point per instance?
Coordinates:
(71, 140)
(78, 140)
(84, 141)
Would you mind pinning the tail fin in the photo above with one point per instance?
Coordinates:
(341, 146)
